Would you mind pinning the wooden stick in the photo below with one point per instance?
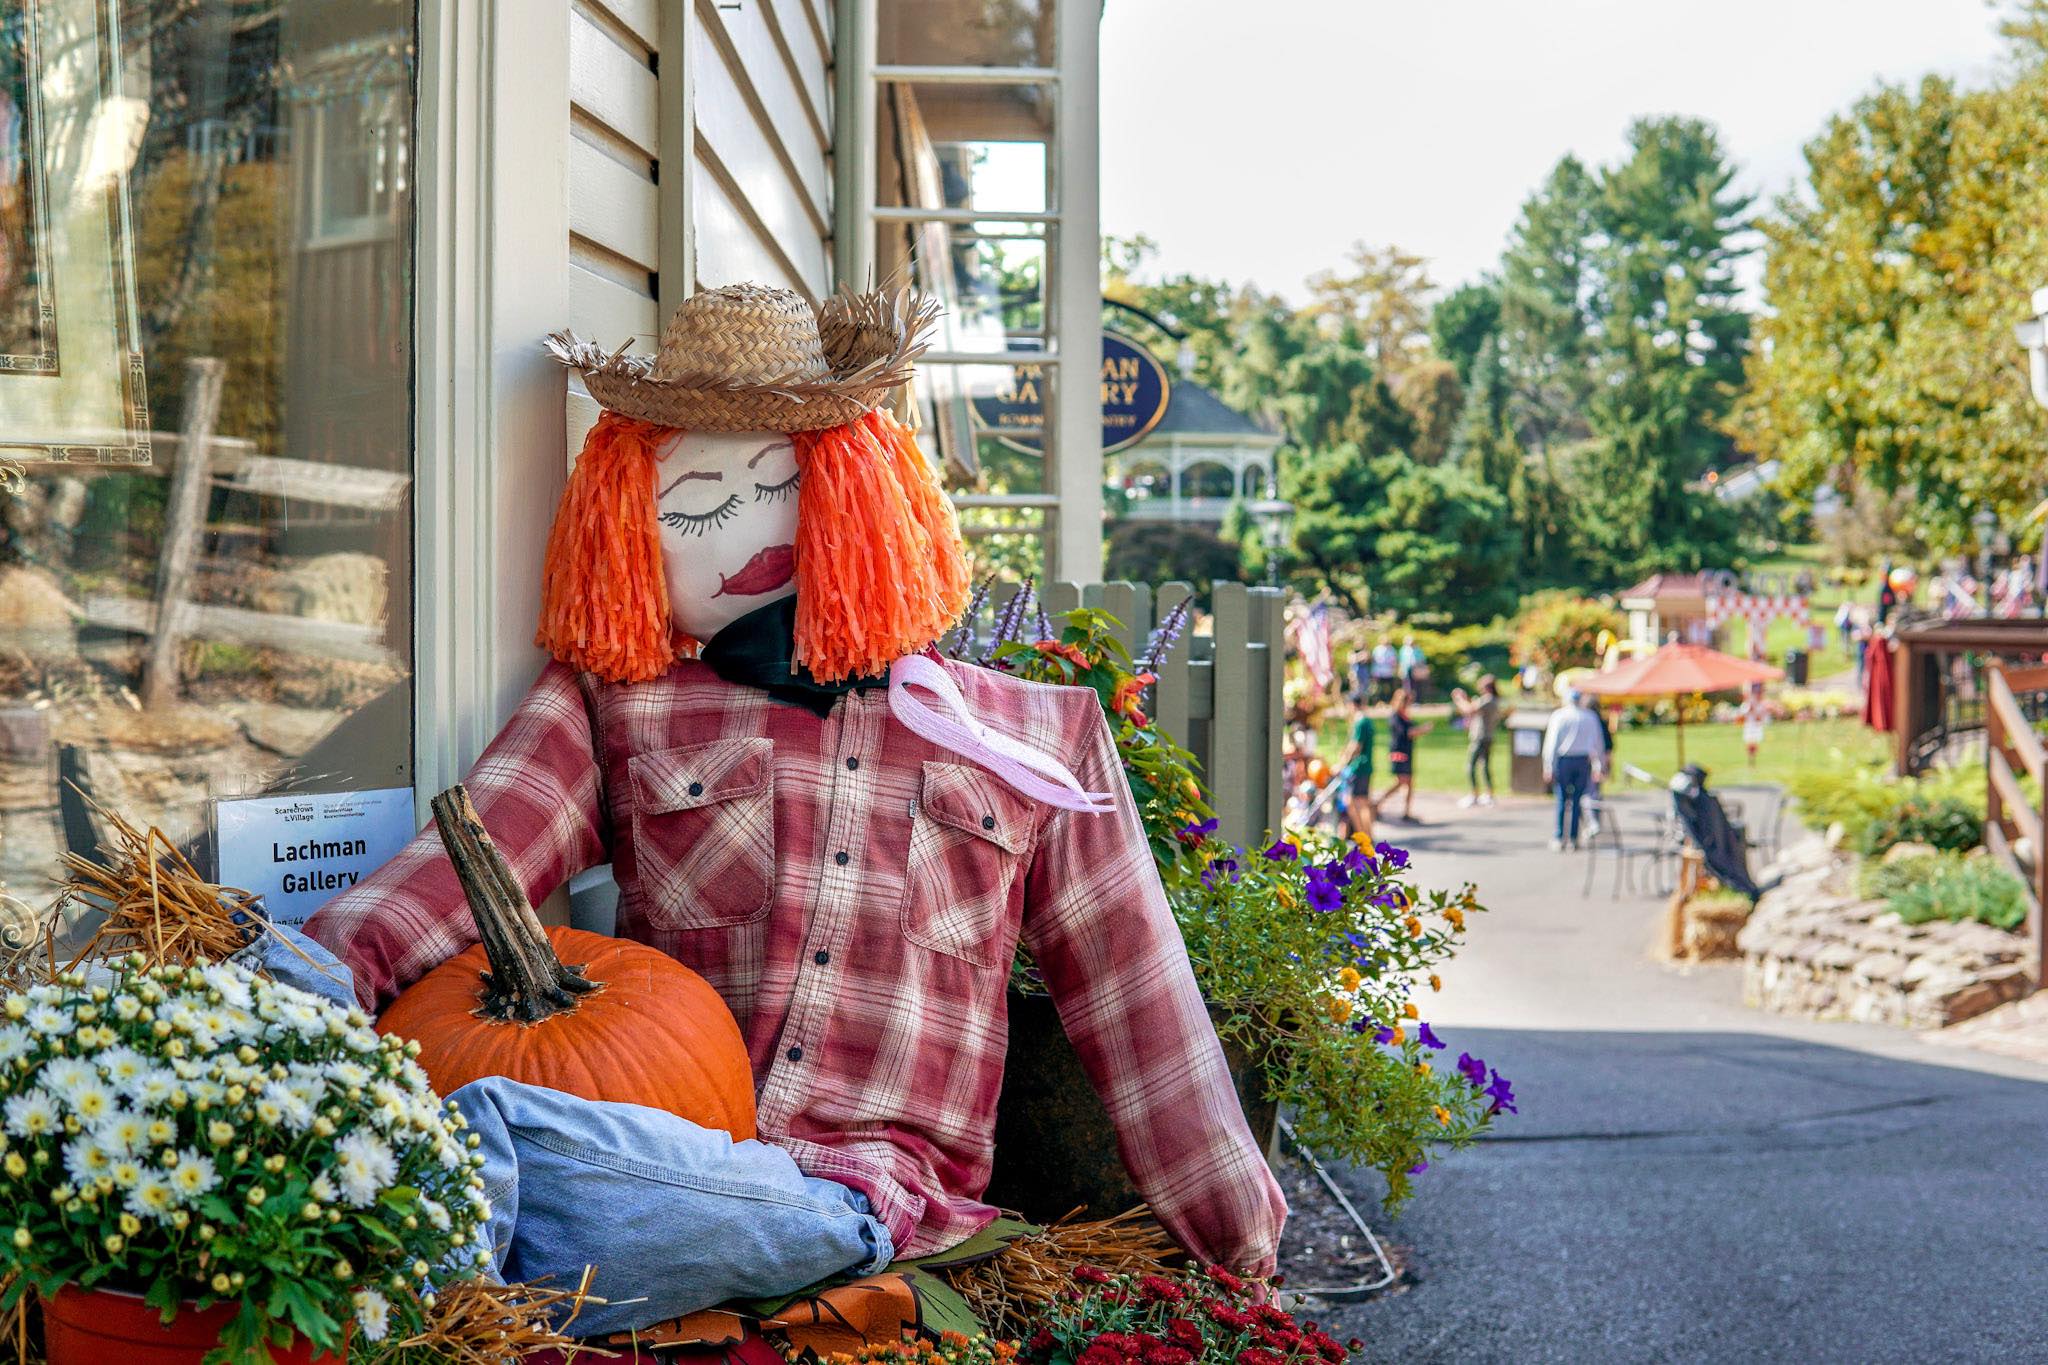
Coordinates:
(526, 980)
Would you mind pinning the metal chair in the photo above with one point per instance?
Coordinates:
(1610, 836)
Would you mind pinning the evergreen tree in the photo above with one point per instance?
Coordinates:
(1462, 322)
(1546, 319)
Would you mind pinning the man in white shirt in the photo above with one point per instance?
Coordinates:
(1574, 757)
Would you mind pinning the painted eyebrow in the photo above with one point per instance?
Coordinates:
(685, 477)
(779, 445)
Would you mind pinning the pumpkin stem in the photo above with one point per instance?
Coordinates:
(526, 982)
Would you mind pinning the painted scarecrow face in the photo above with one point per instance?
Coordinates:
(727, 504)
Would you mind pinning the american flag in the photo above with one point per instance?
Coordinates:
(1312, 643)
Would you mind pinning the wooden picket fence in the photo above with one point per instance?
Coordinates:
(1218, 694)
(2015, 820)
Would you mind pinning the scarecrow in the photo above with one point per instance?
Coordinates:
(844, 834)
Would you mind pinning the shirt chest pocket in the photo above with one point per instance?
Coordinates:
(704, 832)
(967, 842)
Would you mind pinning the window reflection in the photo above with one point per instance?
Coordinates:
(965, 33)
(236, 615)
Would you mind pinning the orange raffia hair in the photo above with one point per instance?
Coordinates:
(880, 572)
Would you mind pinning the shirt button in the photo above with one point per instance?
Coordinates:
(821, 957)
(842, 857)
(696, 789)
(795, 1054)
(988, 822)
(852, 764)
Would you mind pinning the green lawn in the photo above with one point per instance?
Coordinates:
(1788, 746)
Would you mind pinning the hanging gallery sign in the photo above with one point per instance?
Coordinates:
(1135, 394)
(71, 374)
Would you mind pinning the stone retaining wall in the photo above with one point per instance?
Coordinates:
(1814, 947)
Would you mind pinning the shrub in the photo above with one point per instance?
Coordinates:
(1859, 796)
(1556, 630)
(1946, 822)
(1947, 886)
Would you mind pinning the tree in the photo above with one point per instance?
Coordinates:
(1666, 357)
(1330, 393)
(1546, 319)
(1462, 322)
(1161, 552)
(1429, 392)
(1383, 294)
(1895, 273)
(1392, 535)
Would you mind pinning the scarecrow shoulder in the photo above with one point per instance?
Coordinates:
(1056, 718)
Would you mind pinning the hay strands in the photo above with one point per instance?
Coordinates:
(475, 1322)
(156, 902)
(1014, 1286)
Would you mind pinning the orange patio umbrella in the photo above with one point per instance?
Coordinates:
(1677, 670)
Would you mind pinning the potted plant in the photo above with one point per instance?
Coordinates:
(201, 1164)
(1312, 955)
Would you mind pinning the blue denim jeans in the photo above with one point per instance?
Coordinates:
(1571, 775)
(674, 1217)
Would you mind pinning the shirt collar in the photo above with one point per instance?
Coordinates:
(759, 649)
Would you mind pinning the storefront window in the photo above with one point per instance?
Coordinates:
(206, 528)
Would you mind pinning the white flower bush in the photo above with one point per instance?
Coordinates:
(205, 1135)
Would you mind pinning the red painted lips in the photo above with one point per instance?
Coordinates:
(765, 572)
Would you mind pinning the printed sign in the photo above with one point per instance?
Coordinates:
(299, 851)
(1135, 392)
(1528, 743)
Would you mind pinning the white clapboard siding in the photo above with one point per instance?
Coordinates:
(760, 181)
(613, 86)
(613, 206)
(734, 246)
(609, 313)
(639, 18)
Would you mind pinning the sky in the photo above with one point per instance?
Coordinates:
(1257, 141)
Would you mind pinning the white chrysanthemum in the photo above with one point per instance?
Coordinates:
(122, 1066)
(154, 1088)
(193, 1175)
(373, 1314)
(233, 987)
(126, 1172)
(269, 1112)
(65, 1074)
(32, 1113)
(437, 1213)
(160, 1131)
(323, 1189)
(349, 1075)
(85, 1160)
(363, 1040)
(49, 1019)
(294, 1113)
(152, 1197)
(364, 1167)
(126, 1007)
(15, 1041)
(123, 1131)
(92, 1101)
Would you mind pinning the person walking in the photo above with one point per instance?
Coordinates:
(1482, 720)
(1401, 733)
(1573, 754)
(1355, 765)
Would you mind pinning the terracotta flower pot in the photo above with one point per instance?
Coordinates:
(99, 1326)
(1055, 1147)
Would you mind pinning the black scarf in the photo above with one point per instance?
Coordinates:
(758, 649)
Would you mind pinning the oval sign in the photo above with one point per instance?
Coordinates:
(1135, 394)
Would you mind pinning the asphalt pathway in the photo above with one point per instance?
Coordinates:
(1690, 1180)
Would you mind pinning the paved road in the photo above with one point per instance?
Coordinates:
(1690, 1180)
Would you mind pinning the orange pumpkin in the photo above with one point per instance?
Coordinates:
(629, 1024)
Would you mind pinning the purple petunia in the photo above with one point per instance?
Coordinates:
(1472, 1069)
(1282, 852)
(1199, 830)
(1323, 895)
(1362, 1023)
(1426, 1035)
(1385, 1035)
(1502, 1094)
(1397, 858)
(1338, 874)
(1419, 1167)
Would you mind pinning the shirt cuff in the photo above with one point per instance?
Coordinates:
(898, 1209)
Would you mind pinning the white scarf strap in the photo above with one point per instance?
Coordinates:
(950, 726)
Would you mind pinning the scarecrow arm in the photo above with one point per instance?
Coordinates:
(537, 788)
(1098, 926)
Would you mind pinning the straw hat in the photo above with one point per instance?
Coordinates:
(750, 358)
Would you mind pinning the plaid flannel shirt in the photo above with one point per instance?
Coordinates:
(855, 895)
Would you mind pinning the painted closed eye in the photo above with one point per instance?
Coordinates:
(778, 492)
(697, 523)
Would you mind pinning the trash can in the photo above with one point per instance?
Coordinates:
(1525, 751)
(1795, 667)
